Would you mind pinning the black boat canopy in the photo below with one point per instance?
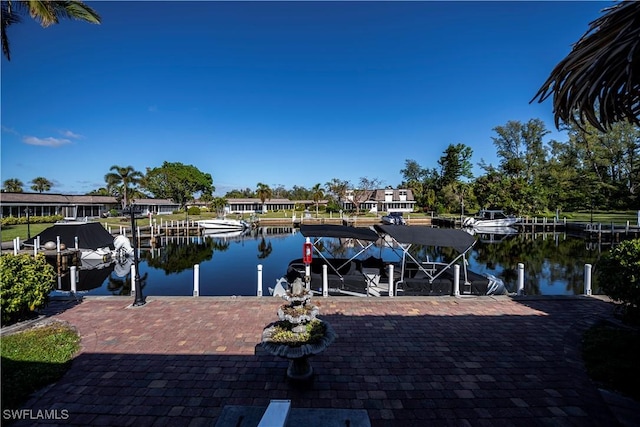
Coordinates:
(427, 236)
(91, 235)
(339, 231)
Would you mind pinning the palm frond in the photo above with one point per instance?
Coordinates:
(599, 80)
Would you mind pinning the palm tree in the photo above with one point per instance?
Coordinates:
(317, 193)
(13, 185)
(123, 177)
(598, 81)
(264, 193)
(45, 12)
(219, 203)
(41, 184)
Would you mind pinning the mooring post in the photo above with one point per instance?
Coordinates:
(325, 281)
(133, 280)
(72, 278)
(456, 280)
(259, 280)
(587, 279)
(196, 280)
(520, 278)
(391, 290)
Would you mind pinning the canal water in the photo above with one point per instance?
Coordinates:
(554, 263)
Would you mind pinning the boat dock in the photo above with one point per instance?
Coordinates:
(590, 230)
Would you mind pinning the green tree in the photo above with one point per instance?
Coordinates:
(178, 182)
(338, 188)
(264, 193)
(413, 177)
(455, 164)
(247, 193)
(317, 194)
(13, 185)
(102, 191)
(121, 179)
(45, 12)
(523, 161)
(299, 192)
(218, 204)
(609, 161)
(41, 184)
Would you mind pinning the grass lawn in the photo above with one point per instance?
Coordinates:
(33, 359)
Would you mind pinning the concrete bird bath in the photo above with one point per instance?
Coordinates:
(298, 334)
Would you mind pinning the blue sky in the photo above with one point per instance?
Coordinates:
(284, 93)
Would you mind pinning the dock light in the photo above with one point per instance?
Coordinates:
(139, 301)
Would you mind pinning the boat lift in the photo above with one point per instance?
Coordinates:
(405, 236)
(364, 237)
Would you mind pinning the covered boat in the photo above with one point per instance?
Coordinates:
(428, 277)
(91, 238)
(346, 275)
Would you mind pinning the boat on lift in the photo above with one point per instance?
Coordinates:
(491, 218)
(223, 224)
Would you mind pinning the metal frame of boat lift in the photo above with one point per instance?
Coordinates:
(319, 232)
(405, 236)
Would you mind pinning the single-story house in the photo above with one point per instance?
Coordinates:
(73, 207)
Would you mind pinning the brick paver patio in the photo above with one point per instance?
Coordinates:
(494, 361)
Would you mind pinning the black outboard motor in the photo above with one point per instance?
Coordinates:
(293, 274)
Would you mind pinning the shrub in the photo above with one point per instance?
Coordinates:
(26, 284)
(12, 220)
(619, 274)
(193, 210)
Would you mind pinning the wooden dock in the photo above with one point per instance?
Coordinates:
(592, 231)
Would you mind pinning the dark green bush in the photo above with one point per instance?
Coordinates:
(618, 274)
(26, 284)
(193, 210)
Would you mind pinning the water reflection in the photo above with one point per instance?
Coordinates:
(176, 257)
(554, 262)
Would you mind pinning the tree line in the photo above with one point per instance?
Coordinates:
(592, 169)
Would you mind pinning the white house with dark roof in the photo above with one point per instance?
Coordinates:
(383, 200)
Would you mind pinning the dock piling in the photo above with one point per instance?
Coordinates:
(196, 280)
(520, 278)
(587, 279)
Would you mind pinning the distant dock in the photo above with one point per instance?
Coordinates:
(590, 230)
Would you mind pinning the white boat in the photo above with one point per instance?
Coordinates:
(491, 218)
(223, 224)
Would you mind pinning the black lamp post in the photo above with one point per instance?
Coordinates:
(28, 212)
(136, 280)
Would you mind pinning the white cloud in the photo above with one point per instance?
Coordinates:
(45, 142)
(69, 134)
(9, 130)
